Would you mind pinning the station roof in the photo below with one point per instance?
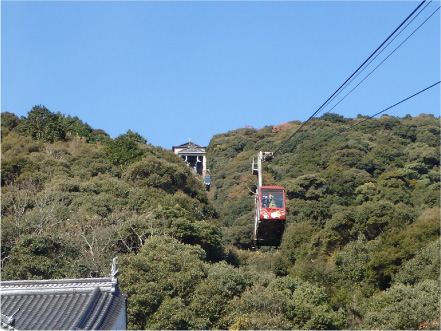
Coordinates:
(192, 150)
(188, 145)
(61, 304)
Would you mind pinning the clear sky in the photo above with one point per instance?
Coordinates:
(178, 70)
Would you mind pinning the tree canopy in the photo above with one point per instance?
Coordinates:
(360, 249)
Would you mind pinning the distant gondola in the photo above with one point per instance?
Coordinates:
(207, 182)
(270, 206)
(270, 215)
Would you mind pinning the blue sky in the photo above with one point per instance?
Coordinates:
(178, 70)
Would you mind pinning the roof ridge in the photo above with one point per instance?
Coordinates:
(55, 281)
(56, 286)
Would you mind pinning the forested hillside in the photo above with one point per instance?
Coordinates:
(361, 249)
(363, 219)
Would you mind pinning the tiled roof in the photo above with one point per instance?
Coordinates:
(191, 150)
(189, 144)
(66, 304)
(27, 286)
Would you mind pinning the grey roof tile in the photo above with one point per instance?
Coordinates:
(188, 144)
(88, 304)
(192, 150)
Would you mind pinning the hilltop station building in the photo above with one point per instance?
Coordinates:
(194, 156)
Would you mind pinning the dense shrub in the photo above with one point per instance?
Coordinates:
(360, 249)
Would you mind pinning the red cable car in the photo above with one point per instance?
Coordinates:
(270, 215)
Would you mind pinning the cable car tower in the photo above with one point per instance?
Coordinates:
(270, 207)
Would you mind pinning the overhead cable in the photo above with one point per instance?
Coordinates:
(379, 53)
(384, 60)
(350, 77)
(364, 120)
(340, 132)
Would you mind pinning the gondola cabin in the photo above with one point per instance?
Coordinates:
(270, 215)
(207, 182)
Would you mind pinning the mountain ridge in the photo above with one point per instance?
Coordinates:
(362, 234)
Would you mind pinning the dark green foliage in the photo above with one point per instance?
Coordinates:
(294, 239)
(13, 168)
(334, 118)
(344, 182)
(240, 233)
(163, 274)
(199, 233)
(88, 161)
(405, 307)
(100, 135)
(8, 122)
(42, 124)
(124, 149)
(371, 219)
(358, 204)
(306, 187)
(287, 303)
(424, 265)
(135, 136)
(42, 257)
(76, 128)
(352, 260)
(316, 212)
(360, 249)
(211, 298)
(401, 245)
(72, 191)
(308, 307)
(154, 172)
(392, 186)
(258, 308)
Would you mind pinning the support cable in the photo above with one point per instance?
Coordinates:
(362, 121)
(350, 77)
(379, 53)
(383, 60)
(223, 175)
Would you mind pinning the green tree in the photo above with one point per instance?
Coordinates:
(199, 233)
(42, 257)
(258, 308)
(352, 260)
(42, 124)
(14, 167)
(371, 219)
(8, 122)
(240, 233)
(211, 297)
(404, 307)
(172, 314)
(334, 118)
(75, 127)
(124, 150)
(306, 187)
(135, 136)
(393, 187)
(296, 242)
(400, 245)
(163, 271)
(424, 265)
(307, 306)
(154, 172)
(100, 135)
